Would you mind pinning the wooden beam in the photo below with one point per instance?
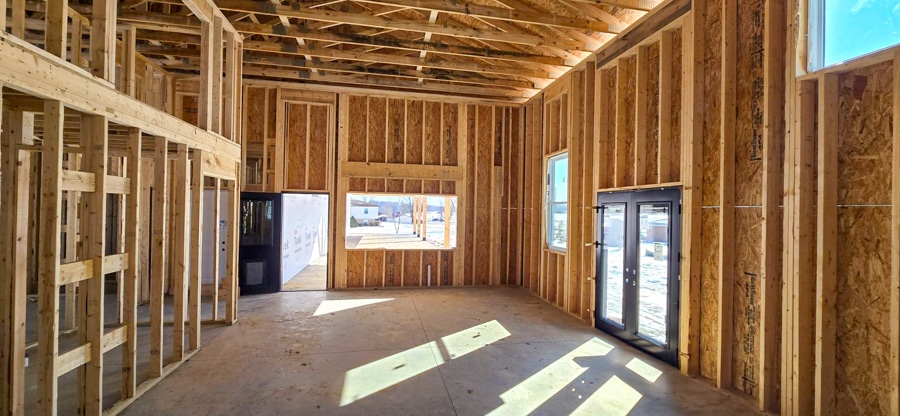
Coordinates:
(18, 18)
(692, 115)
(207, 77)
(498, 13)
(103, 39)
(397, 24)
(48, 252)
(728, 120)
(56, 28)
(773, 186)
(383, 82)
(411, 61)
(133, 238)
(31, 70)
(158, 253)
(194, 287)
(129, 36)
(826, 247)
(215, 252)
(180, 267)
(17, 129)
(216, 68)
(206, 11)
(643, 5)
(231, 87)
(641, 29)
(94, 133)
(401, 171)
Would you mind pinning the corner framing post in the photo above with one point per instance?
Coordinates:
(231, 251)
(48, 256)
(18, 128)
(158, 253)
(195, 288)
(217, 202)
(133, 237)
(180, 266)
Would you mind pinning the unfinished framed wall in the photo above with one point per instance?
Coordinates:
(88, 127)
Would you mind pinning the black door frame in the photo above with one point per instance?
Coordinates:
(629, 331)
(270, 253)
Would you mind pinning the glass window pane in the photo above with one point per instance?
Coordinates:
(557, 222)
(858, 27)
(258, 224)
(560, 179)
(612, 262)
(653, 271)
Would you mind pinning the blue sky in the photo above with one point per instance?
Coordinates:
(858, 27)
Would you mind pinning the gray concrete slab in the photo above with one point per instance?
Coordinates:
(472, 351)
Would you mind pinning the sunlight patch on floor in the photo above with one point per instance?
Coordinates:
(376, 376)
(331, 306)
(466, 341)
(641, 368)
(613, 398)
(530, 394)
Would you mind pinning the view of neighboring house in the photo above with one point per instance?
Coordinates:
(364, 212)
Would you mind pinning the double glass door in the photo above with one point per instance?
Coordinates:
(639, 234)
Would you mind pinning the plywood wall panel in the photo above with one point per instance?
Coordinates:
(712, 98)
(432, 141)
(357, 129)
(318, 147)
(709, 292)
(356, 269)
(256, 115)
(396, 130)
(864, 153)
(295, 144)
(374, 268)
(652, 113)
(393, 268)
(412, 273)
(747, 255)
(863, 311)
(414, 131)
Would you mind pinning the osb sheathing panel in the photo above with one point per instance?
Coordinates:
(749, 120)
(865, 136)
(374, 268)
(412, 260)
(709, 291)
(356, 268)
(712, 97)
(432, 142)
(652, 113)
(747, 252)
(483, 195)
(396, 131)
(394, 185)
(610, 114)
(256, 115)
(471, 171)
(414, 113)
(358, 184)
(377, 130)
(413, 185)
(446, 259)
(630, 120)
(431, 187)
(189, 109)
(430, 258)
(318, 147)
(357, 129)
(675, 159)
(375, 185)
(271, 111)
(863, 311)
(393, 268)
(450, 137)
(295, 146)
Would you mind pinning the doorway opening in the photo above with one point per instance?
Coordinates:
(304, 242)
(637, 285)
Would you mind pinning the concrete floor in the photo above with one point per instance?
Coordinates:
(472, 351)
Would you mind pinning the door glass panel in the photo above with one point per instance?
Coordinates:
(653, 271)
(613, 261)
(257, 223)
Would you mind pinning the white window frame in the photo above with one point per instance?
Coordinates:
(815, 39)
(549, 203)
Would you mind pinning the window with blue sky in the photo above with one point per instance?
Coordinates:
(853, 28)
(557, 201)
